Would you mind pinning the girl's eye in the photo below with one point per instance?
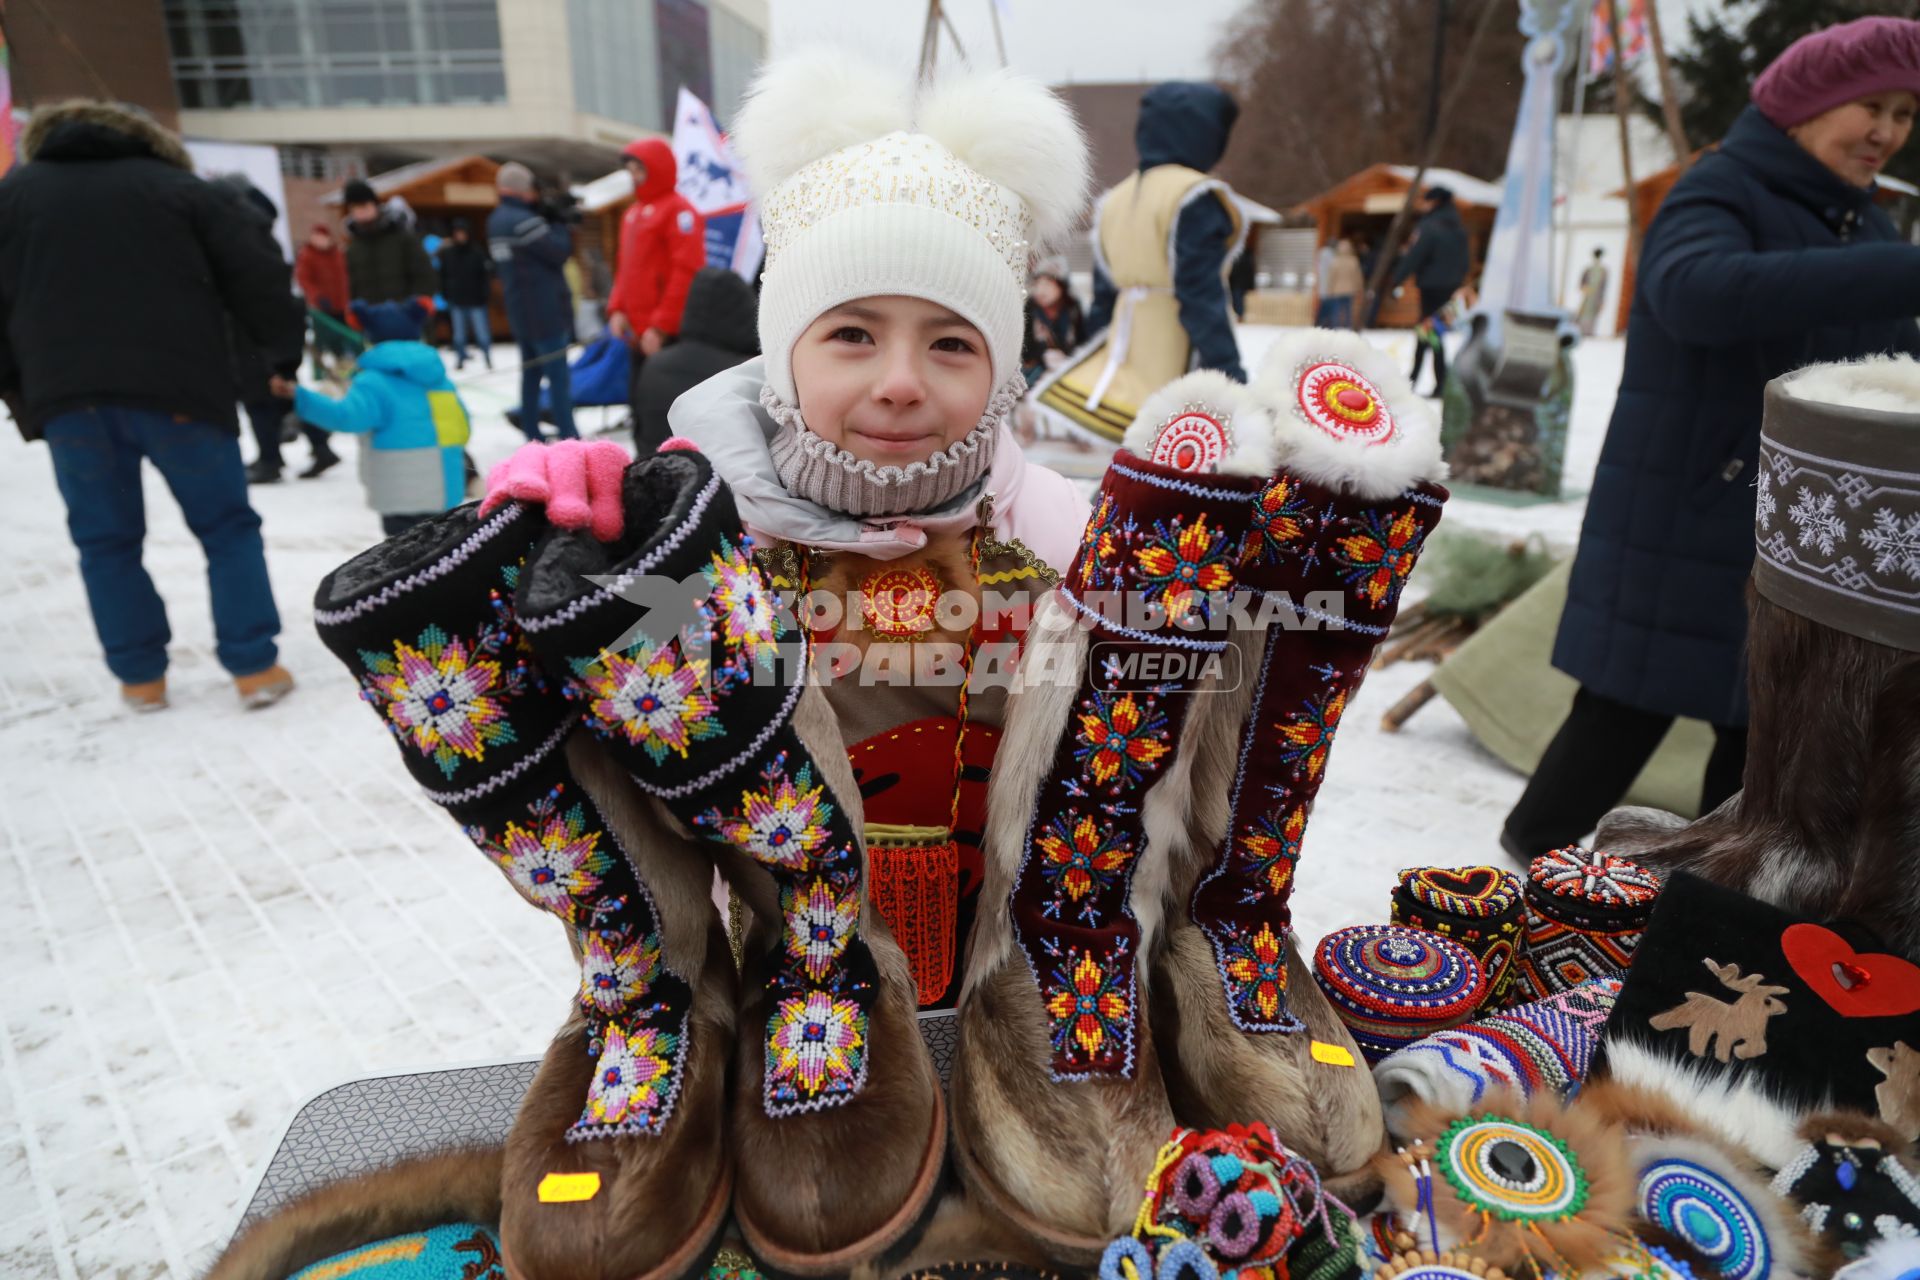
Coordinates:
(958, 346)
(851, 333)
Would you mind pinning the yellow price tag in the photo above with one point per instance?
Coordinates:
(1332, 1054)
(568, 1188)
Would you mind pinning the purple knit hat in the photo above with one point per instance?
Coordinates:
(1851, 60)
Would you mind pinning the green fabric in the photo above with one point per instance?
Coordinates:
(1504, 685)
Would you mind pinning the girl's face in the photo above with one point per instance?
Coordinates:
(1856, 139)
(891, 380)
(1046, 291)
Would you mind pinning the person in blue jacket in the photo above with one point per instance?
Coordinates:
(530, 252)
(413, 461)
(1768, 255)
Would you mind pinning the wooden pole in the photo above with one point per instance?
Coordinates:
(1390, 247)
(1623, 108)
(930, 42)
(1669, 98)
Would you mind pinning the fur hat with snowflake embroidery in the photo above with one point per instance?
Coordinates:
(1837, 519)
(866, 192)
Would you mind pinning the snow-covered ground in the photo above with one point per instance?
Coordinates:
(213, 915)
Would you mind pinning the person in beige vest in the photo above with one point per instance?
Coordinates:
(1163, 241)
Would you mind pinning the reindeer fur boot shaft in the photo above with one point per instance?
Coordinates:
(1148, 871)
(1824, 826)
(630, 1096)
(670, 644)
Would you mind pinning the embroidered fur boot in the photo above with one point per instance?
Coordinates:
(1129, 719)
(615, 1167)
(1832, 783)
(1244, 1032)
(670, 643)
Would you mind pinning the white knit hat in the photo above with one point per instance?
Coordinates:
(864, 194)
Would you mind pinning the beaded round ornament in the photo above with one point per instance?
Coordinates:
(1708, 1212)
(1392, 985)
(1194, 439)
(1343, 402)
(1511, 1170)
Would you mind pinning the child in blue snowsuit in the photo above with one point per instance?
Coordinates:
(413, 463)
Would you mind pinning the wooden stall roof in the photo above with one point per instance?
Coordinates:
(1360, 192)
(459, 185)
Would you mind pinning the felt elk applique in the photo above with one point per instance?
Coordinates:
(1899, 1094)
(1739, 1026)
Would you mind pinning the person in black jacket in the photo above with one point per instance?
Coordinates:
(253, 374)
(1768, 255)
(118, 272)
(385, 260)
(466, 281)
(1438, 262)
(530, 253)
(719, 328)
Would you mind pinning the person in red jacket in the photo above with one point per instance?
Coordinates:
(663, 243)
(320, 269)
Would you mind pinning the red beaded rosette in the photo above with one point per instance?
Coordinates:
(898, 604)
(1344, 403)
(1194, 439)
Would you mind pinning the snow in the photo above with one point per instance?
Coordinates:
(215, 914)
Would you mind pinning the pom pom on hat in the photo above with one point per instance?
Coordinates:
(1839, 65)
(1012, 130)
(809, 105)
(864, 195)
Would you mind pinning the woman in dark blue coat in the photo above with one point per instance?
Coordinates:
(1768, 255)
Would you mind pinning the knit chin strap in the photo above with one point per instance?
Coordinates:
(818, 470)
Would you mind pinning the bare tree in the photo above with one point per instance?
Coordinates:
(1327, 87)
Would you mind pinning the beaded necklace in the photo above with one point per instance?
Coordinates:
(913, 871)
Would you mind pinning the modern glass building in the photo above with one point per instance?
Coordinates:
(564, 83)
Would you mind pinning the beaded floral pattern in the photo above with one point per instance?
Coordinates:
(1377, 551)
(553, 858)
(656, 699)
(816, 1048)
(634, 1079)
(446, 696)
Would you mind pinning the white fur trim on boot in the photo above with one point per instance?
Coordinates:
(1345, 416)
(1202, 422)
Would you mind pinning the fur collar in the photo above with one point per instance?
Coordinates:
(84, 129)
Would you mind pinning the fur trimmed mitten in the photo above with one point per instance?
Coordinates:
(626, 1109)
(670, 643)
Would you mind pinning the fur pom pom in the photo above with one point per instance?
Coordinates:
(1018, 133)
(811, 104)
(1890, 384)
(1381, 443)
(1247, 446)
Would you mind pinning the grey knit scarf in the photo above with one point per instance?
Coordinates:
(815, 469)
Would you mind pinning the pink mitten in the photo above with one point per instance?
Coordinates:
(579, 483)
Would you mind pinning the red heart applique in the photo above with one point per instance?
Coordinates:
(1873, 985)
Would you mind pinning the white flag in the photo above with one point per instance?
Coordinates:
(709, 177)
